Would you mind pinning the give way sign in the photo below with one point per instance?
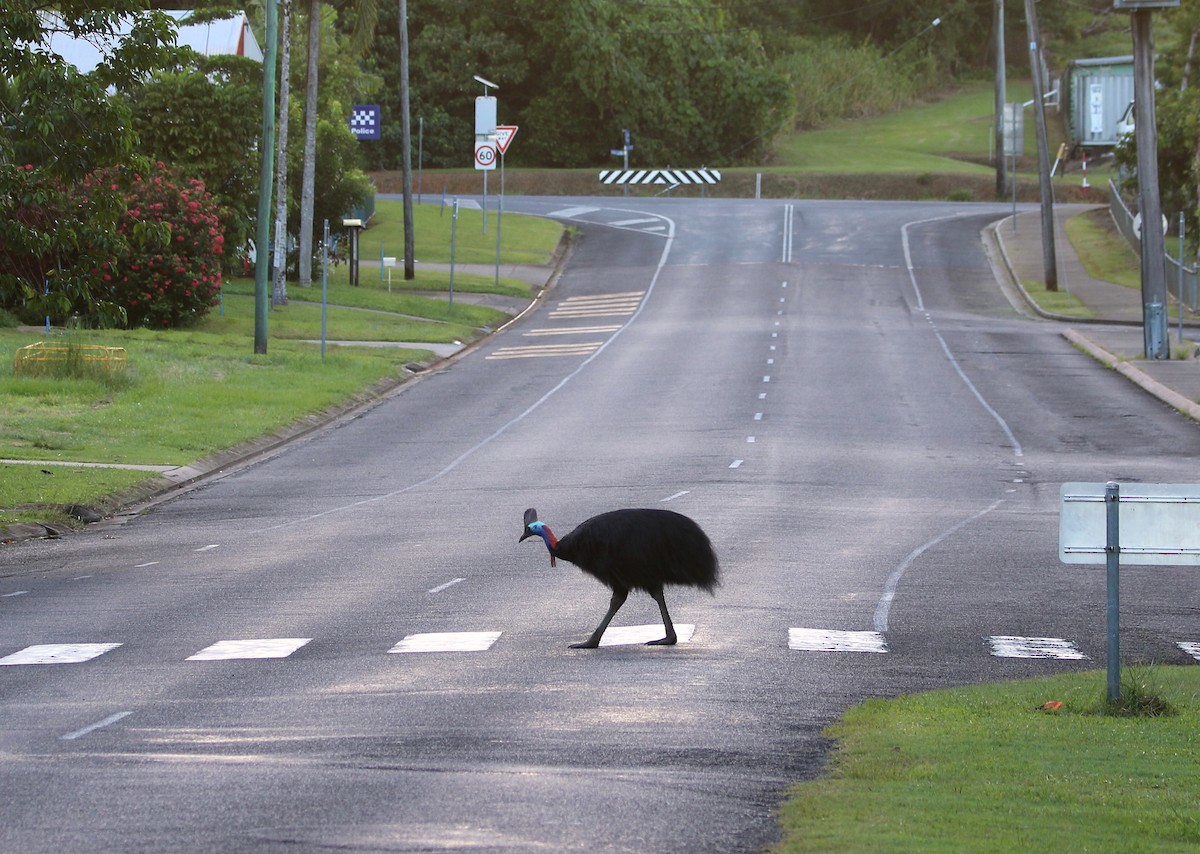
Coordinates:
(504, 135)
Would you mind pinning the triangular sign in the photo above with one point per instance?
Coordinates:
(504, 135)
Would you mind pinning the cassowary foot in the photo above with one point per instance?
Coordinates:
(669, 640)
(587, 644)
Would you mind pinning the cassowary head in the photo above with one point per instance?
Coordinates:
(534, 528)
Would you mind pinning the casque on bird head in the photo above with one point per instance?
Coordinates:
(534, 528)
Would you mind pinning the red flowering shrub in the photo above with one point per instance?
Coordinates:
(170, 273)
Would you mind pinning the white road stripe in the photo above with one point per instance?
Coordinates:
(58, 653)
(447, 642)
(1192, 649)
(109, 721)
(571, 330)
(830, 640)
(14, 594)
(544, 350)
(628, 635)
(1014, 646)
(446, 586)
(572, 213)
(265, 648)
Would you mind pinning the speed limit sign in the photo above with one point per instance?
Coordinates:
(485, 155)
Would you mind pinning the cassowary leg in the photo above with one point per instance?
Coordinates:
(670, 639)
(618, 599)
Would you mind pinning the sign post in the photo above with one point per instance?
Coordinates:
(504, 137)
(1151, 524)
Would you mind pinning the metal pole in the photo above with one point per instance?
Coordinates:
(1001, 97)
(1179, 293)
(1112, 551)
(410, 272)
(262, 240)
(1049, 259)
(324, 284)
(453, 235)
(499, 218)
(1154, 284)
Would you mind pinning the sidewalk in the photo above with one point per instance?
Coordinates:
(1115, 336)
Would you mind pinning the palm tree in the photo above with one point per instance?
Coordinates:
(279, 282)
(366, 15)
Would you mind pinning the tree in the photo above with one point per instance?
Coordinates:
(58, 126)
(279, 272)
(203, 119)
(308, 168)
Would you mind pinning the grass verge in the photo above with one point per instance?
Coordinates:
(986, 768)
(187, 394)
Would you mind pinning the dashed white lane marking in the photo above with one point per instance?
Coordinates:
(58, 653)
(264, 648)
(571, 330)
(1192, 649)
(829, 640)
(109, 721)
(1012, 646)
(679, 494)
(542, 351)
(143, 565)
(209, 548)
(628, 635)
(447, 642)
(14, 594)
(736, 464)
(446, 586)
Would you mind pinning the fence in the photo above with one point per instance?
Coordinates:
(1186, 287)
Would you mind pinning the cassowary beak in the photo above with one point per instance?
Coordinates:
(525, 536)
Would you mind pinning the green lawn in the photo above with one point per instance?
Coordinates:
(189, 393)
(987, 769)
(928, 138)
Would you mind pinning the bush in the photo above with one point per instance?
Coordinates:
(170, 274)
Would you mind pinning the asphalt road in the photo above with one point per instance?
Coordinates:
(343, 646)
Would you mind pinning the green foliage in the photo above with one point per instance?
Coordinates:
(691, 87)
(169, 273)
(204, 120)
(60, 125)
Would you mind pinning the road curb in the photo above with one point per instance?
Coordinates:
(1147, 383)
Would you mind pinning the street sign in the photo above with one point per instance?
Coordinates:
(364, 121)
(485, 115)
(504, 136)
(485, 155)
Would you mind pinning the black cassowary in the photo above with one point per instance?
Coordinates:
(634, 549)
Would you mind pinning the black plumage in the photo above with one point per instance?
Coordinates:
(634, 550)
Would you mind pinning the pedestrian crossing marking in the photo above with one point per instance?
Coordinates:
(600, 305)
(802, 639)
(572, 330)
(627, 635)
(536, 351)
(265, 648)
(1012, 646)
(58, 653)
(830, 640)
(447, 642)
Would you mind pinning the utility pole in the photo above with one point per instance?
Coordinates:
(1001, 97)
(262, 240)
(1154, 277)
(1049, 259)
(406, 147)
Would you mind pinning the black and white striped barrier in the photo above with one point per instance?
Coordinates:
(673, 177)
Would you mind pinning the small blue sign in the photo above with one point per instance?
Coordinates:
(365, 121)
